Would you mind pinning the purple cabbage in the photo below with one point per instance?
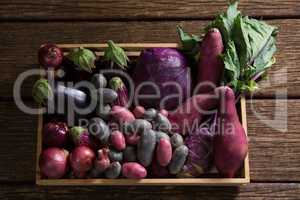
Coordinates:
(200, 157)
(161, 65)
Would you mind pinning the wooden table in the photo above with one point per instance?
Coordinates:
(25, 24)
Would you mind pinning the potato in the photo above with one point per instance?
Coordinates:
(176, 140)
(133, 170)
(164, 152)
(178, 159)
(138, 111)
(129, 154)
(115, 155)
(146, 147)
(113, 171)
(117, 140)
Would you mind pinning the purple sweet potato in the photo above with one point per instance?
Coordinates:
(230, 141)
(210, 66)
(164, 152)
(133, 170)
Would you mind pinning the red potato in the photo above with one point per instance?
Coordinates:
(164, 152)
(210, 66)
(122, 114)
(138, 112)
(117, 140)
(133, 170)
(190, 114)
(230, 142)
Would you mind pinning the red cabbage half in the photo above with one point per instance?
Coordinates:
(200, 157)
(162, 65)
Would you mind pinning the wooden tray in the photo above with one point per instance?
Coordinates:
(133, 50)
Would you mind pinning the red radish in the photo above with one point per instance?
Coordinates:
(133, 170)
(82, 159)
(210, 66)
(138, 111)
(164, 152)
(190, 114)
(50, 56)
(230, 142)
(164, 112)
(102, 162)
(122, 114)
(55, 134)
(53, 162)
(117, 140)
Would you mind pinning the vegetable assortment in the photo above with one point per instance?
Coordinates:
(184, 135)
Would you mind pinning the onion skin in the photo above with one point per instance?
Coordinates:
(82, 159)
(55, 134)
(50, 56)
(54, 162)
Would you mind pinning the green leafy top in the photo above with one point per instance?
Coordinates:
(250, 47)
(42, 91)
(83, 58)
(116, 54)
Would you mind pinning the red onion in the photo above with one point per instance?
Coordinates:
(82, 159)
(50, 56)
(53, 162)
(55, 134)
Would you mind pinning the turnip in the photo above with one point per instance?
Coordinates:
(230, 142)
(210, 66)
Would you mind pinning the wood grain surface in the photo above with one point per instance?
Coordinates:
(274, 145)
(20, 41)
(138, 9)
(266, 191)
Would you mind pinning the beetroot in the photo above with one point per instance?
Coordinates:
(230, 142)
(50, 56)
(53, 162)
(189, 115)
(210, 66)
(55, 134)
(82, 160)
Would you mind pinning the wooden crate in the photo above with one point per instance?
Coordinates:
(133, 50)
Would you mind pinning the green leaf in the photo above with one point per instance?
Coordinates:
(116, 54)
(231, 64)
(225, 21)
(189, 42)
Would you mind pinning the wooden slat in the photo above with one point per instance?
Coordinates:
(274, 153)
(138, 9)
(267, 191)
(19, 54)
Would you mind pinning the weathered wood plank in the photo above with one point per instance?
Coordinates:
(134, 9)
(19, 54)
(280, 191)
(274, 151)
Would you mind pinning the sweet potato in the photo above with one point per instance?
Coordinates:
(164, 152)
(117, 140)
(230, 141)
(122, 114)
(190, 114)
(210, 66)
(133, 170)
